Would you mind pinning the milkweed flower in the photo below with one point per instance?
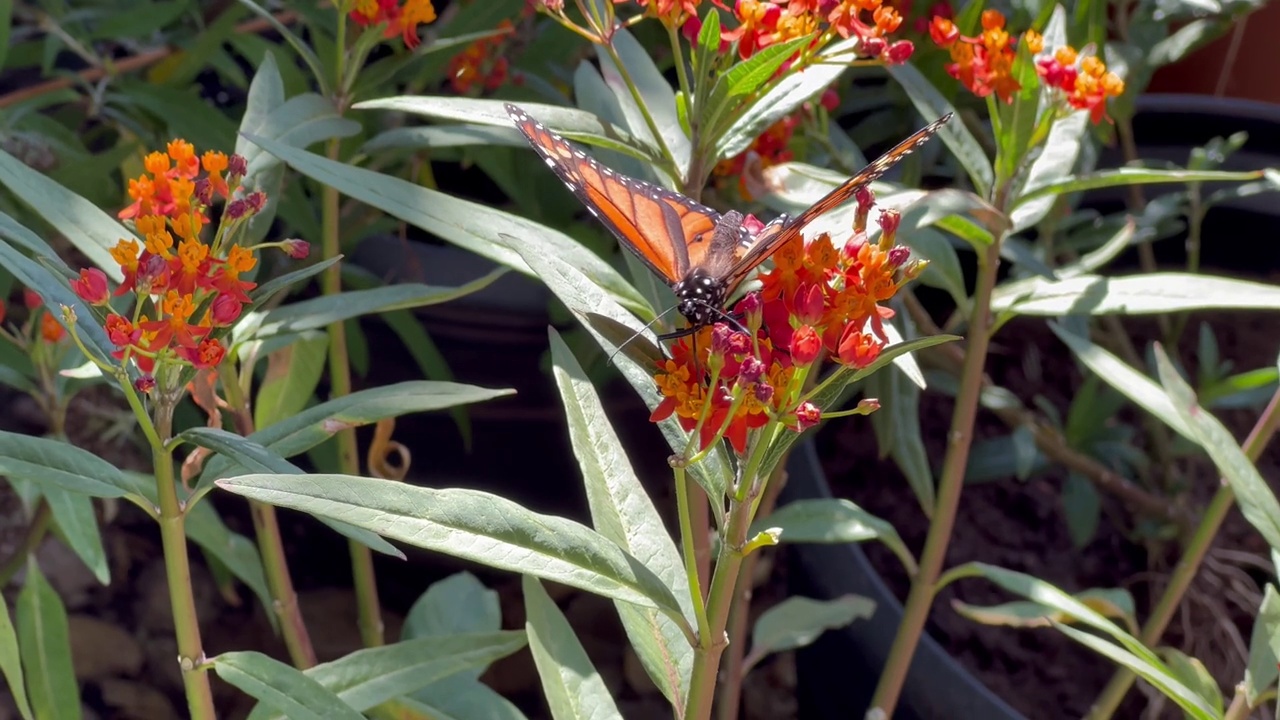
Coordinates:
(818, 300)
(482, 64)
(400, 19)
(187, 290)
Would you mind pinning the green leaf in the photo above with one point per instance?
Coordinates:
(1108, 602)
(1083, 509)
(1130, 652)
(293, 373)
(432, 137)
(299, 122)
(322, 311)
(471, 226)
(654, 90)
(78, 526)
(1123, 378)
(318, 423)
(266, 290)
(1057, 159)
(45, 461)
(1146, 294)
(45, 643)
(1009, 292)
(622, 512)
(1264, 647)
(1161, 677)
(572, 123)
(797, 621)
(457, 604)
(832, 520)
(461, 700)
(897, 428)
(366, 678)
(571, 684)
(1194, 675)
(471, 525)
(6, 32)
(599, 313)
(784, 98)
(11, 662)
(90, 229)
(253, 456)
(56, 292)
(930, 103)
(745, 78)
(303, 49)
(1257, 503)
(1121, 177)
(284, 688)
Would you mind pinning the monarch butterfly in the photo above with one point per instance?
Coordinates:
(701, 254)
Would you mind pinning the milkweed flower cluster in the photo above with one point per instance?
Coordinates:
(762, 23)
(818, 301)
(985, 65)
(186, 289)
(482, 64)
(399, 18)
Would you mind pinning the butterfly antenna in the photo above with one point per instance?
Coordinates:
(638, 333)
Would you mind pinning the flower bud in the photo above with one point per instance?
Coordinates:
(204, 191)
(898, 255)
(236, 209)
(751, 310)
(237, 166)
(225, 310)
(145, 384)
(91, 286)
(900, 52)
(806, 345)
(720, 334)
(889, 222)
(763, 392)
(751, 371)
(807, 415)
(297, 249)
(739, 343)
(257, 200)
(31, 298)
(830, 100)
(873, 47)
(152, 271)
(856, 348)
(807, 305)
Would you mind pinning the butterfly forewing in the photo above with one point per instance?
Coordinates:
(776, 234)
(663, 228)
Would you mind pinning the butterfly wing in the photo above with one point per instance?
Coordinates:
(780, 231)
(665, 229)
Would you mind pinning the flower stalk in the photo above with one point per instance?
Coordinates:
(960, 439)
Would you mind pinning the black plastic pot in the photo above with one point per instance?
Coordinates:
(837, 675)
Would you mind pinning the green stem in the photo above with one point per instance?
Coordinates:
(177, 565)
(1239, 709)
(1263, 431)
(266, 526)
(960, 438)
(706, 657)
(36, 530)
(369, 614)
(672, 165)
(689, 550)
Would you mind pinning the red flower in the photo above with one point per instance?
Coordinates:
(91, 286)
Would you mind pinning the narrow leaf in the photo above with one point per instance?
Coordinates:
(45, 643)
(284, 688)
(54, 462)
(11, 662)
(571, 684)
(832, 520)
(798, 621)
(1264, 647)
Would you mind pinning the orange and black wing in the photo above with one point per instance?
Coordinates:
(779, 232)
(665, 229)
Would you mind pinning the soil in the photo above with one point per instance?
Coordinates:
(1021, 526)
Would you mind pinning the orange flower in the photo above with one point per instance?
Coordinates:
(402, 20)
(481, 64)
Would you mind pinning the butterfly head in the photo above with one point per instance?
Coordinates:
(700, 297)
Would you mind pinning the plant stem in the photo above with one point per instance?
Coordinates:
(730, 686)
(266, 527)
(706, 657)
(366, 587)
(689, 550)
(177, 565)
(1239, 709)
(36, 531)
(1185, 571)
(959, 439)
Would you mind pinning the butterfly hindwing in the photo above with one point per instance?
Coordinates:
(668, 231)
